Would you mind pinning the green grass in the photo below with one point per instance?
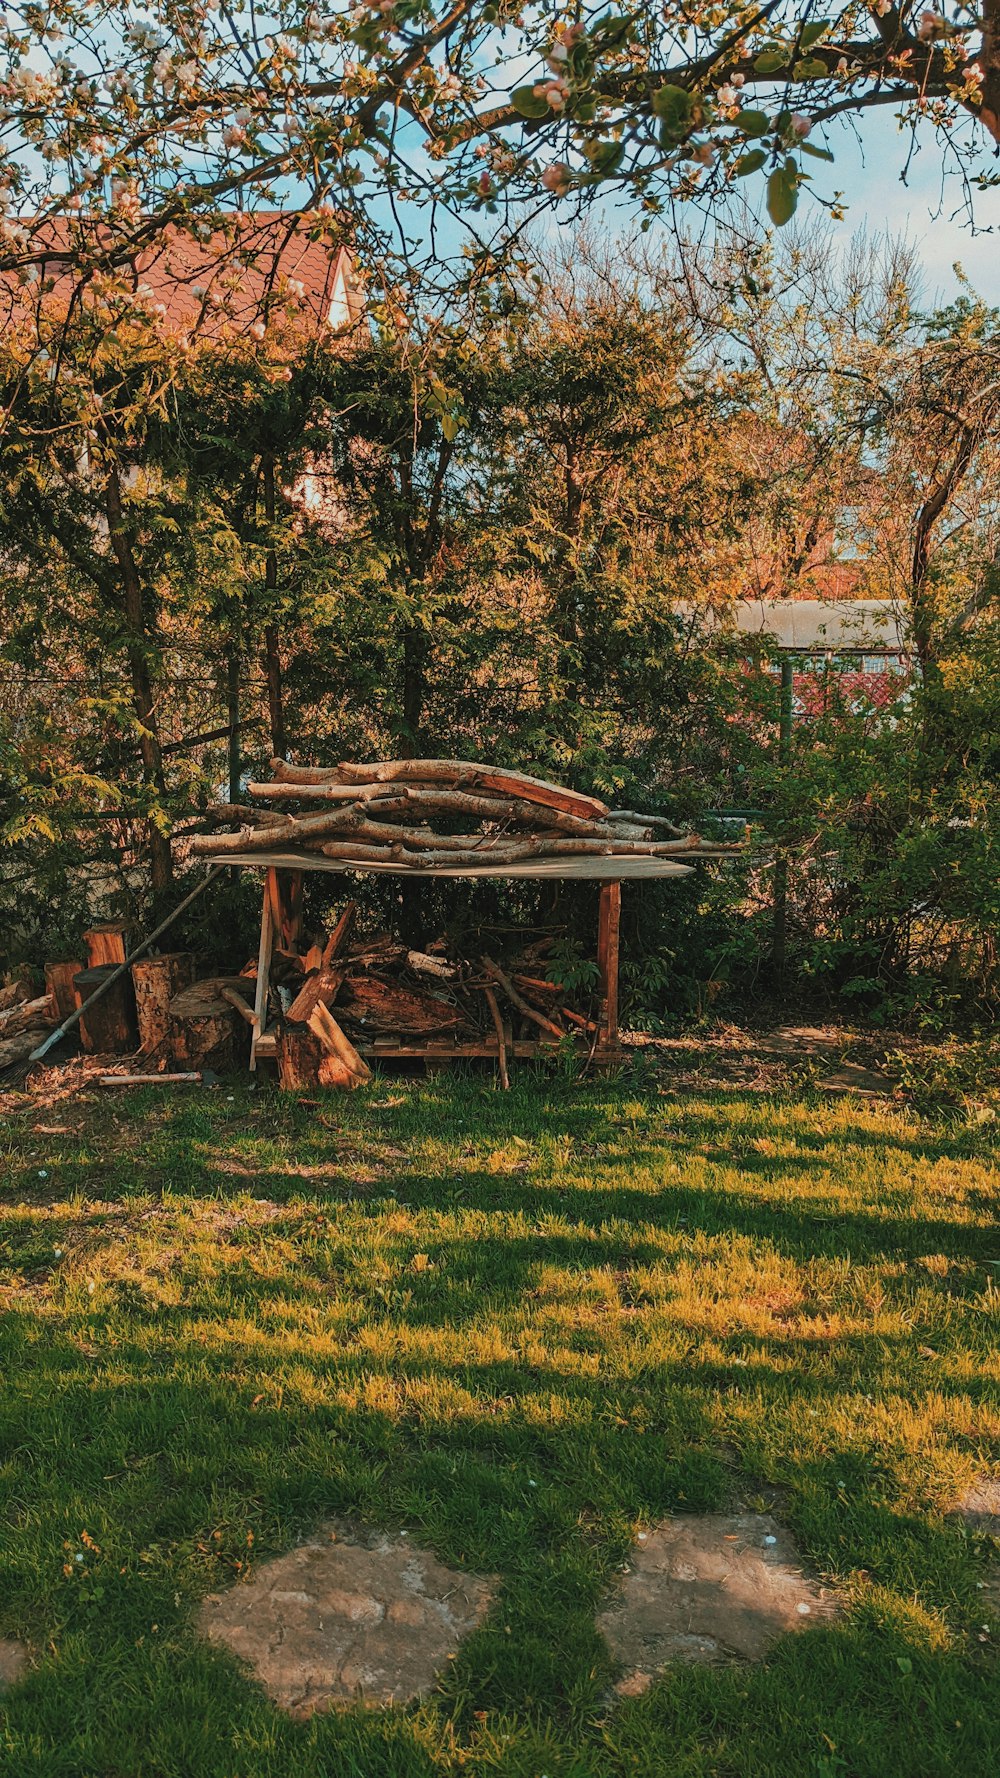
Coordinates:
(523, 1326)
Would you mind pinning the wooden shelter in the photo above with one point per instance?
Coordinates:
(281, 926)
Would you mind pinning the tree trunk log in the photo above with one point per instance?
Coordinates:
(106, 943)
(156, 981)
(205, 1032)
(59, 981)
(108, 1027)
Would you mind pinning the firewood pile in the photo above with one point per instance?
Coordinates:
(353, 994)
(437, 814)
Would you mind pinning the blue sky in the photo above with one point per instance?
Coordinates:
(922, 209)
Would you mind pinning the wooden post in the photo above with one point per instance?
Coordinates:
(607, 962)
(263, 970)
(284, 890)
(156, 980)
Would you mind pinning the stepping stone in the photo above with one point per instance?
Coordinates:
(347, 1617)
(13, 1662)
(716, 1587)
(979, 1505)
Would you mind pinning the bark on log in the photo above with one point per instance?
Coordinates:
(156, 981)
(299, 1055)
(28, 1014)
(16, 992)
(451, 772)
(17, 1049)
(108, 1027)
(386, 1007)
(205, 1032)
(318, 990)
(59, 981)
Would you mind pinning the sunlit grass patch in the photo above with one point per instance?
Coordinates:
(520, 1326)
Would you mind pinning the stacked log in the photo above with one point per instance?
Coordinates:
(437, 814)
(25, 1017)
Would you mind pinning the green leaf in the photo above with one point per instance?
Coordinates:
(754, 123)
(748, 163)
(814, 32)
(673, 106)
(820, 154)
(782, 193)
(810, 68)
(772, 60)
(529, 103)
(904, 1663)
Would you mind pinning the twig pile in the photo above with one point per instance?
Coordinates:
(392, 813)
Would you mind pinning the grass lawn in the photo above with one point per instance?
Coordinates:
(523, 1326)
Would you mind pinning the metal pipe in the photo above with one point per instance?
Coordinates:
(74, 1017)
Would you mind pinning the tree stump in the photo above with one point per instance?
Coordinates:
(106, 943)
(157, 981)
(59, 979)
(205, 1031)
(108, 1027)
(300, 1056)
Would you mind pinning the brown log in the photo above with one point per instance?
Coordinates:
(450, 772)
(108, 1027)
(386, 1007)
(337, 941)
(239, 1005)
(518, 1000)
(145, 1080)
(205, 1032)
(335, 1073)
(28, 1014)
(491, 1001)
(156, 980)
(609, 920)
(577, 1018)
(312, 959)
(285, 830)
(59, 981)
(106, 943)
(242, 815)
(16, 992)
(299, 1056)
(336, 1043)
(17, 1049)
(319, 989)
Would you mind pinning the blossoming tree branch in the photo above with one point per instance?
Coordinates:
(120, 120)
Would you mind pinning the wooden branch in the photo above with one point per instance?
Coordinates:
(491, 1001)
(451, 772)
(518, 1000)
(336, 1043)
(318, 990)
(237, 1002)
(337, 941)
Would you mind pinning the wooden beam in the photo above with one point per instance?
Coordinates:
(263, 971)
(609, 920)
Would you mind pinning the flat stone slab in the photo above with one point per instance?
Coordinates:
(717, 1587)
(13, 1662)
(348, 1617)
(979, 1506)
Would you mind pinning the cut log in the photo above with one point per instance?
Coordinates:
(383, 1006)
(29, 1014)
(156, 981)
(59, 981)
(146, 1080)
(205, 1032)
(17, 1049)
(319, 989)
(336, 1043)
(108, 1027)
(423, 964)
(299, 1056)
(106, 943)
(16, 992)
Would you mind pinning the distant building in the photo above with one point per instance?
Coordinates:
(856, 650)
